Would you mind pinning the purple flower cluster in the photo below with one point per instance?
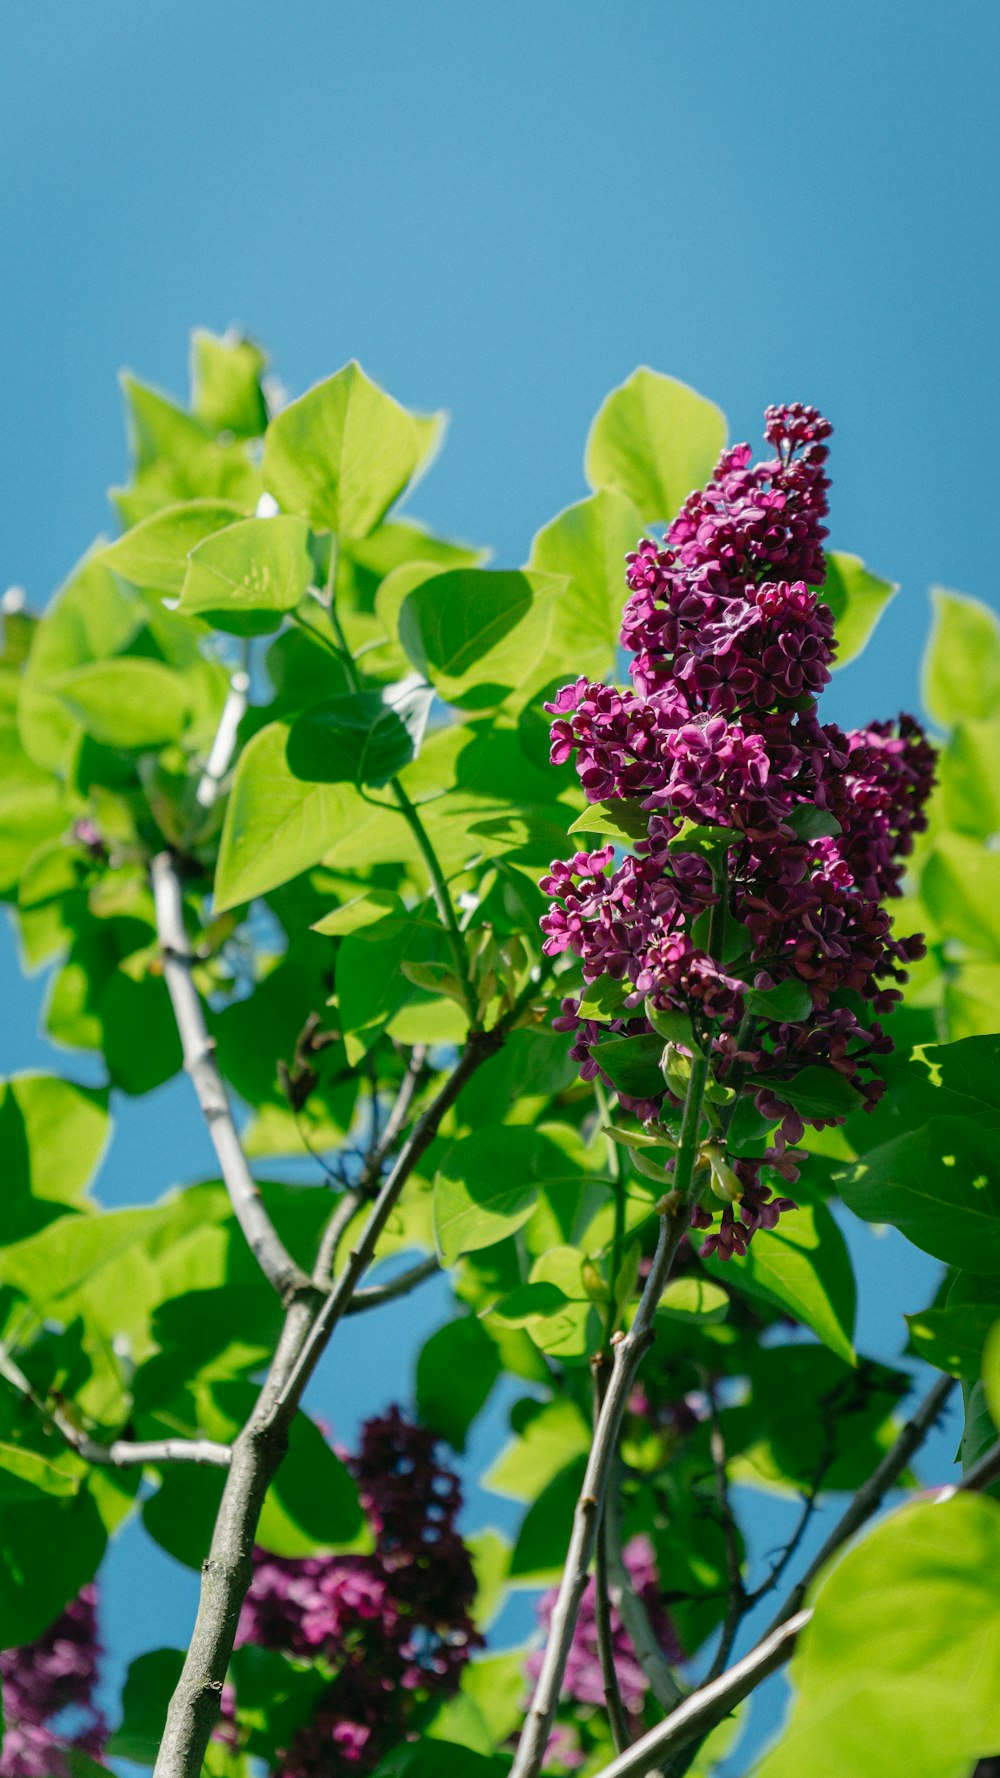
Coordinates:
(48, 1682)
(731, 644)
(392, 1626)
(584, 1682)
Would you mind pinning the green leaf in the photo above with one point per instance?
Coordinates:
(940, 1185)
(529, 1302)
(961, 887)
(588, 542)
(632, 1064)
(857, 599)
(547, 1437)
(362, 910)
(671, 1025)
(155, 552)
(363, 738)
(476, 632)
(654, 440)
(245, 578)
(962, 663)
(802, 1266)
(814, 1092)
(969, 773)
(312, 1504)
(148, 1689)
(456, 1370)
(991, 1372)
(342, 453)
(900, 1654)
(789, 1003)
(543, 1540)
(809, 823)
(603, 999)
(487, 1186)
(225, 383)
(952, 1338)
(24, 1474)
(275, 1697)
(125, 702)
(52, 1136)
(276, 825)
(49, 1549)
(620, 816)
(573, 1331)
(694, 1299)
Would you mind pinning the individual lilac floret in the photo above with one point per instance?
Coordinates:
(731, 644)
(53, 1678)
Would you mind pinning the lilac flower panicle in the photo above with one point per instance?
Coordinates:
(731, 645)
(48, 1695)
(390, 1627)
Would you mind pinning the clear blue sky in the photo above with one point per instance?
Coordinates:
(501, 210)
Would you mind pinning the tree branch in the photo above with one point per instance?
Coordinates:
(628, 1350)
(259, 1448)
(262, 1237)
(121, 1453)
(617, 1717)
(377, 1294)
(707, 1706)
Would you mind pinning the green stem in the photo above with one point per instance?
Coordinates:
(439, 887)
(618, 1180)
(442, 899)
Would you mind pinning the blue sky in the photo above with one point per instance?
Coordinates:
(500, 210)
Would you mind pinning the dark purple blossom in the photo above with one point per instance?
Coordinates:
(48, 1695)
(731, 645)
(392, 1626)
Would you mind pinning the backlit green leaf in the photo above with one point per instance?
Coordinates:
(342, 453)
(246, 577)
(857, 599)
(654, 440)
(276, 825)
(962, 661)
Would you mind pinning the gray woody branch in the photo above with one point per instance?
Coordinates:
(711, 1703)
(262, 1237)
(627, 1353)
(261, 1445)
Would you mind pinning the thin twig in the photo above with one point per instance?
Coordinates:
(628, 1351)
(479, 1045)
(371, 1173)
(377, 1294)
(617, 1716)
(871, 1494)
(121, 1453)
(262, 1237)
(347, 1209)
(663, 1682)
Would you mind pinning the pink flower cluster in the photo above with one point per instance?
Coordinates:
(392, 1626)
(49, 1680)
(584, 1682)
(731, 644)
